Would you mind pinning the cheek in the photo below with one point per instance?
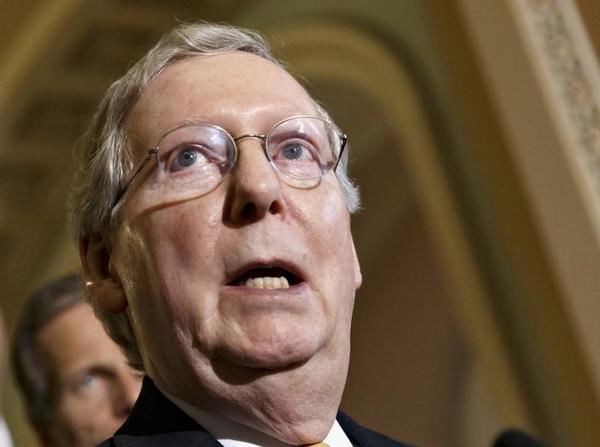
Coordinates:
(85, 422)
(169, 259)
(327, 229)
(175, 236)
(158, 248)
(80, 414)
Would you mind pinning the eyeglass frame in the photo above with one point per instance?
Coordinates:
(153, 152)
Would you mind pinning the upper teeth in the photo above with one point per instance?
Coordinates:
(268, 283)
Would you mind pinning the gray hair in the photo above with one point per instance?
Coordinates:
(31, 372)
(104, 158)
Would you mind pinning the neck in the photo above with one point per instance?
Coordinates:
(296, 405)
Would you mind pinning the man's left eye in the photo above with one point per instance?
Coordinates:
(187, 158)
(292, 151)
(295, 151)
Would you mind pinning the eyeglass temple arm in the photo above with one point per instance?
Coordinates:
(151, 153)
(343, 141)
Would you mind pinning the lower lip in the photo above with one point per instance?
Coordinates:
(249, 304)
(295, 290)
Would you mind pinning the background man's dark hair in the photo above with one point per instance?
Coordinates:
(31, 373)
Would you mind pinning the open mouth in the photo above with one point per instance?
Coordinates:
(266, 278)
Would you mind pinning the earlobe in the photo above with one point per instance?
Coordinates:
(357, 272)
(101, 281)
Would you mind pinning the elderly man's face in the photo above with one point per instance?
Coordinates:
(184, 265)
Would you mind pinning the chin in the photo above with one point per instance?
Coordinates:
(274, 352)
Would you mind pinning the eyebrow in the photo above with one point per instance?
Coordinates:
(203, 120)
(190, 121)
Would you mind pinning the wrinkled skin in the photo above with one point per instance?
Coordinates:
(276, 359)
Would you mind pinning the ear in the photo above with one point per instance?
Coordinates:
(102, 282)
(357, 272)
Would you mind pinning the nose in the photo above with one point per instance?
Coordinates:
(255, 189)
(126, 392)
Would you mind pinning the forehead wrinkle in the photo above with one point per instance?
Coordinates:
(245, 120)
(206, 95)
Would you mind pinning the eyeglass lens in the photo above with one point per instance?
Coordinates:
(194, 158)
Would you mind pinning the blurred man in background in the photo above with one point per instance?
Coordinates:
(76, 384)
(5, 439)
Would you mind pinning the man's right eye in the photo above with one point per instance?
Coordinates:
(88, 381)
(185, 157)
(91, 382)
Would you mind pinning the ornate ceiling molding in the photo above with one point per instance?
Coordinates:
(570, 67)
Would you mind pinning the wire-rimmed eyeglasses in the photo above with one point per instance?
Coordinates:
(193, 158)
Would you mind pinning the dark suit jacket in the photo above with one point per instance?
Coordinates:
(156, 421)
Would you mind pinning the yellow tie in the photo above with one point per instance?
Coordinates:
(318, 444)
